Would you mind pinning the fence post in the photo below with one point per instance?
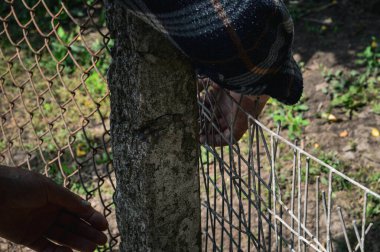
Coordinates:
(153, 130)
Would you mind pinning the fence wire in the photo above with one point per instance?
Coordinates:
(54, 102)
(265, 193)
(261, 194)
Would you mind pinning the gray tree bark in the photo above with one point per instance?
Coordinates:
(154, 139)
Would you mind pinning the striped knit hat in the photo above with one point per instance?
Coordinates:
(242, 45)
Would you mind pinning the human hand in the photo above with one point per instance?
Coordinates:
(228, 116)
(39, 214)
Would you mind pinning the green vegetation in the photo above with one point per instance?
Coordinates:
(333, 160)
(66, 88)
(81, 76)
(370, 58)
(373, 207)
(354, 90)
(290, 117)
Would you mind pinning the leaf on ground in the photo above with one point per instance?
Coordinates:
(343, 133)
(329, 117)
(374, 44)
(80, 150)
(375, 132)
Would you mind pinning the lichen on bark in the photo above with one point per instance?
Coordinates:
(154, 138)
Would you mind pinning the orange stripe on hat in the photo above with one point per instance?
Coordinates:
(237, 42)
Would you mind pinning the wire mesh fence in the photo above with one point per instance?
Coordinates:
(265, 193)
(261, 194)
(54, 102)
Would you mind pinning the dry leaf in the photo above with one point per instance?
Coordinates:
(328, 20)
(329, 117)
(375, 132)
(332, 118)
(374, 44)
(344, 133)
(316, 146)
(79, 150)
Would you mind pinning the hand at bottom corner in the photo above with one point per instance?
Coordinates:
(37, 213)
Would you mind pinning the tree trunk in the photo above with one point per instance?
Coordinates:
(154, 139)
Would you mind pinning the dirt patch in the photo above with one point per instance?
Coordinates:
(336, 49)
(326, 38)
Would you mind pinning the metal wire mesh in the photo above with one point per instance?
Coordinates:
(261, 194)
(268, 194)
(54, 102)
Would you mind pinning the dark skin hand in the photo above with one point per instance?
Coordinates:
(43, 216)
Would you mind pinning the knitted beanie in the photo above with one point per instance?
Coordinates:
(244, 46)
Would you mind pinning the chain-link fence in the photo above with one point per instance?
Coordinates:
(54, 101)
(262, 194)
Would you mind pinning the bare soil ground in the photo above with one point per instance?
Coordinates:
(335, 47)
(329, 37)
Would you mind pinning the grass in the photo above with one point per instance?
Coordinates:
(54, 104)
(289, 117)
(354, 90)
(348, 91)
(51, 112)
(75, 95)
